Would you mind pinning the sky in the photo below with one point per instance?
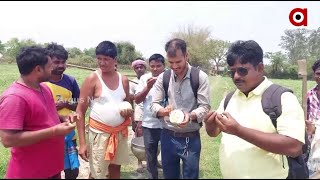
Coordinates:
(149, 25)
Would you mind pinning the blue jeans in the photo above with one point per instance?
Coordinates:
(151, 138)
(175, 148)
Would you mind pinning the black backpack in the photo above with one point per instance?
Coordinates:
(271, 104)
(194, 82)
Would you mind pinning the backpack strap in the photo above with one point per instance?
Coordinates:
(271, 101)
(194, 81)
(227, 99)
(165, 82)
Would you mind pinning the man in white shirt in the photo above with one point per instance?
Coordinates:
(139, 66)
(151, 126)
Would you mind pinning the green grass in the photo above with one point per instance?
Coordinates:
(209, 162)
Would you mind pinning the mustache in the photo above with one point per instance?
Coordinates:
(238, 81)
(59, 69)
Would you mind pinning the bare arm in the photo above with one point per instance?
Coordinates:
(18, 138)
(86, 93)
(125, 83)
(275, 143)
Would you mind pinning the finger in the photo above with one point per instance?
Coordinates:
(221, 119)
(208, 115)
(71, 125)
(182, 125)
(220, 125)
(308, 122)
(211, 118)
(227, 115)
(83, 157)
(87, 156)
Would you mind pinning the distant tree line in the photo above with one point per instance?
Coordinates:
(86, 57)
(205, 52)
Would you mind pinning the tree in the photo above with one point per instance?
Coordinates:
(2, 48)
(217, 50)
(90, 52)
(197, 39)
(73, 52)
(295, 43)
(126, 52)
(314, 43)
(14, 45)
(278, 60)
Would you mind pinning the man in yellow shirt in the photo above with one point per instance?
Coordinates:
(251, 147)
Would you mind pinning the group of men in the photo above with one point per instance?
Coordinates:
(35, 117)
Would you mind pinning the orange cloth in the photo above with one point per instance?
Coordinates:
(112, 143)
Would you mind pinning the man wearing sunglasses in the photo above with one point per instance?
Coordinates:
(251, 147)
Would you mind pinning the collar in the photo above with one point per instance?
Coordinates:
(187, 75)
(58, 80)
(259, 90)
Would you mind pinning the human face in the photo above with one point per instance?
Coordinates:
(106, 63)
(59, 66)
(178, 63)
(140, 70)
(316, 75)
(156, 67)
(245, 76)
(45, 72)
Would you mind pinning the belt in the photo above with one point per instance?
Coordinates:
(182, 134)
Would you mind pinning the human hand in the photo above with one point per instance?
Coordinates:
(151, 81)
(311, 128)
(73, 117)
(210, 119)
(126, 113)
(63, 129)
(227, 123)
(185, 121)
(167, 110)
(83, 152)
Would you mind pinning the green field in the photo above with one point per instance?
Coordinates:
(209, 163)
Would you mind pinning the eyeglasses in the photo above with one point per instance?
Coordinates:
(240, 70)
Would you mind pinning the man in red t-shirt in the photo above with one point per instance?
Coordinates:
(29, 122)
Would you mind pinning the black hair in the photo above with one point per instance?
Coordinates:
(246, 51)
(173, 45)
(29, 57)
(107, 48)
(58, 51)
(156, 57)
(316, 65)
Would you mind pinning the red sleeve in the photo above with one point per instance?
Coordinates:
(12, 112)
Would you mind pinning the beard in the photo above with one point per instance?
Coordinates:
(44, 78)
(58, 71)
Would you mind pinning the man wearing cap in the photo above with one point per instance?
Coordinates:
(139, 66)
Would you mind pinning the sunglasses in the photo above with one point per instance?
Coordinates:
(240, 70)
